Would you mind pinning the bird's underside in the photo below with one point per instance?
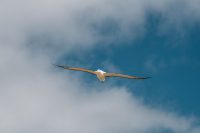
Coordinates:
(101, 75)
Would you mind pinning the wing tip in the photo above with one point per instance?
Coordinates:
(146, 77)
(65, 67)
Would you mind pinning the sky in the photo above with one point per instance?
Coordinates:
(136, 37)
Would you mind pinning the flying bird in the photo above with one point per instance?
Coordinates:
(101, 75)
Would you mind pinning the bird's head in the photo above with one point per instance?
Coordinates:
(99, 70)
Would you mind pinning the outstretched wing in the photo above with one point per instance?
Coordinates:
(77, 69)
(124, 76)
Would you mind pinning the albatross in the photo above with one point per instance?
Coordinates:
(101, 75)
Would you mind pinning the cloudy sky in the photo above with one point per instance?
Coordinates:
(137, 37)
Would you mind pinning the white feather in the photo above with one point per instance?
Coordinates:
(102, 72)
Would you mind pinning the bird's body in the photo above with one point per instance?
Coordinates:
(101, 75)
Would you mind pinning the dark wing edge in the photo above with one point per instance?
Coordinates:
(124, 76)
(65, 67)
(76, 69)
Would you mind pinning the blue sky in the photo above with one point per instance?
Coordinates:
(152, 38)
(171, 58)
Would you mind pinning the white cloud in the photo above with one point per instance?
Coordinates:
(36, 98)
(33, 98)
(58, 24)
